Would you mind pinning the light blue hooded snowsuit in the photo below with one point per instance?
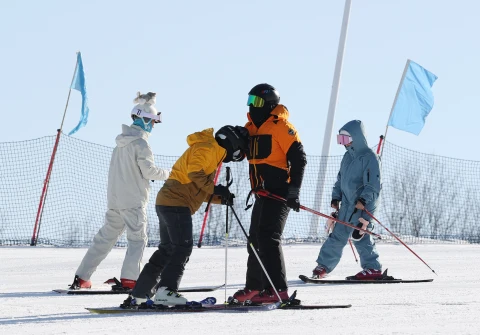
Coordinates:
(359, 177)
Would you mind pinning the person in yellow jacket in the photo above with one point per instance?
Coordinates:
(189, 185)
(276, 163)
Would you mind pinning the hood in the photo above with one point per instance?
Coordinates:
(206, 136)
(279, 112)
(130, 134)
(357, 132)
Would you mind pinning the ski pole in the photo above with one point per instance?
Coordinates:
(207, 210)
(226, 232)
(267, 194)
(351, 245)
(398, 239)
(331, 224)
(256, 255)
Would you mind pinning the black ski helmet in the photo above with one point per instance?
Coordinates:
(268, 93)
(235, 140)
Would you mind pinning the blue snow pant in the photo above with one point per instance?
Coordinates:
(331, 251)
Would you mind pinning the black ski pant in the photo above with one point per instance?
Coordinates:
(268, 221)
(167, 264)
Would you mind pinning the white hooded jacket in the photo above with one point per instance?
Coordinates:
(132, 166)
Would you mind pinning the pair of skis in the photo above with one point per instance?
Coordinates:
(385, 279)
(207, 306)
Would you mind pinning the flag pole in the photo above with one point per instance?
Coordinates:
(69, 92)
(36, 228)
(395, 102)
(330, 117)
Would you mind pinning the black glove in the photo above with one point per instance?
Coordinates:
(224, 194)
(335, 204)
(292, 199)
(221, 191)
(229, 201)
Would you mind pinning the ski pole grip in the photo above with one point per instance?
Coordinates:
(229, 177)
(228, 174)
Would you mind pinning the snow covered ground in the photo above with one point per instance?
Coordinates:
(449, 305)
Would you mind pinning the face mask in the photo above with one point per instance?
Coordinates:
(147, 126)
(259, 115)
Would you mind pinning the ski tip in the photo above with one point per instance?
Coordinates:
(93, 310)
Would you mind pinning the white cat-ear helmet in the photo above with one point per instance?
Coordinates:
(144, 114)
(147, 113)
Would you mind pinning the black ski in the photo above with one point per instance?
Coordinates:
(385, 280)
(183, 309)
(201, 289)
(206, 305)
(127, 291)
(214, 308)
(292, 303)
(315, 306)
(90, 291)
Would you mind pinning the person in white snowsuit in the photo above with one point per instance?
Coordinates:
(357, 188)
(132, 166)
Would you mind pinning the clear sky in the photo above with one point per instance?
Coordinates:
(202, 58)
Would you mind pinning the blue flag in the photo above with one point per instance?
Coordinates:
(414, 101)
(78, 84)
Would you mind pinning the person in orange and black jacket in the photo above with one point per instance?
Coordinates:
(276, 163)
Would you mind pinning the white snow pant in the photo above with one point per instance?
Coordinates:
(135, 220)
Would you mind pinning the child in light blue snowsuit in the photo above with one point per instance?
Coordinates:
(357, 187)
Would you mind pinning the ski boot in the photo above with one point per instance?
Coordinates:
(268, 296)
(79, 283)
(136, 303)
(121, 285)
(168, 297)
(319, 272)
(367, 274)
(241, 296)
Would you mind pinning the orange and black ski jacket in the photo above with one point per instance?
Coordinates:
(276, 156)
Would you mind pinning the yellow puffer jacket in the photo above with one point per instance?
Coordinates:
(191, 180)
